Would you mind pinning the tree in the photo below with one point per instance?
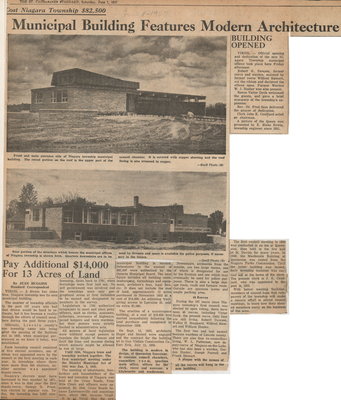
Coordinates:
(73, 199)
(47, 202)
(67, 197)
(223, 228)
(12, 208)
(28, 197)
(216, 110)
(215, 222)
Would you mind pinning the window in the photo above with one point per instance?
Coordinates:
(130, 219)
(78, 236)
(127, 219)
(106, 217)
(36, 214)
(123, 219)
(68, 216)
(154, 237)
(165, 237)
(38, 97)
(179, 222)
(85, 216)
(94, 217)
(64, 96)
(59, 96)
(114, 219)
(77, 215)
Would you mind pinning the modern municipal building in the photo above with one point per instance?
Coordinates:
(80, 90)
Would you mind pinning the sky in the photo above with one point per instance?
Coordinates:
(190, 65)
(198, 192)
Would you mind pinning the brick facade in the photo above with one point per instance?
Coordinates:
(77, 89)
(54, 221)
(119, 224)
(80, 98)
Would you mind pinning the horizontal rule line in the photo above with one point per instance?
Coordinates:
(108, 6)
(220, 5)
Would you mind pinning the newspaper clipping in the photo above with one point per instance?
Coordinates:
(117, 256)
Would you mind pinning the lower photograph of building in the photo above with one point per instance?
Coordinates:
(116, 209)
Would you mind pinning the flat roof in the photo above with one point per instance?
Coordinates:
(83, 77)
(108, 207)
(170, 95)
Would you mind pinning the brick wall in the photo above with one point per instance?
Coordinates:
(53, 220)
(193, 220)
(159, 214)
(154, 232)
(113, 100)
(25, 235)
(115, 233)
(46, 100)
(103, 100)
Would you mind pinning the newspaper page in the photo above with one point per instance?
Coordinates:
(117, 177)
(117, 206)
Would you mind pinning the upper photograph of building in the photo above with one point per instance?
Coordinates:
(108, 94)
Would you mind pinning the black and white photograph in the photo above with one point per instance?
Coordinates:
(116, 94)
(116, 209)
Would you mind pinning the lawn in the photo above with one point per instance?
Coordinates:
(78, 133)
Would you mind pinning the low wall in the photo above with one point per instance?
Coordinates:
(25, 235)
(217, 239)
(191, 237)
(161, 107)
(115, 233)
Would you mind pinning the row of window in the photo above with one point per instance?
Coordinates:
(94, 217)
(57, 96)
(105, 217)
